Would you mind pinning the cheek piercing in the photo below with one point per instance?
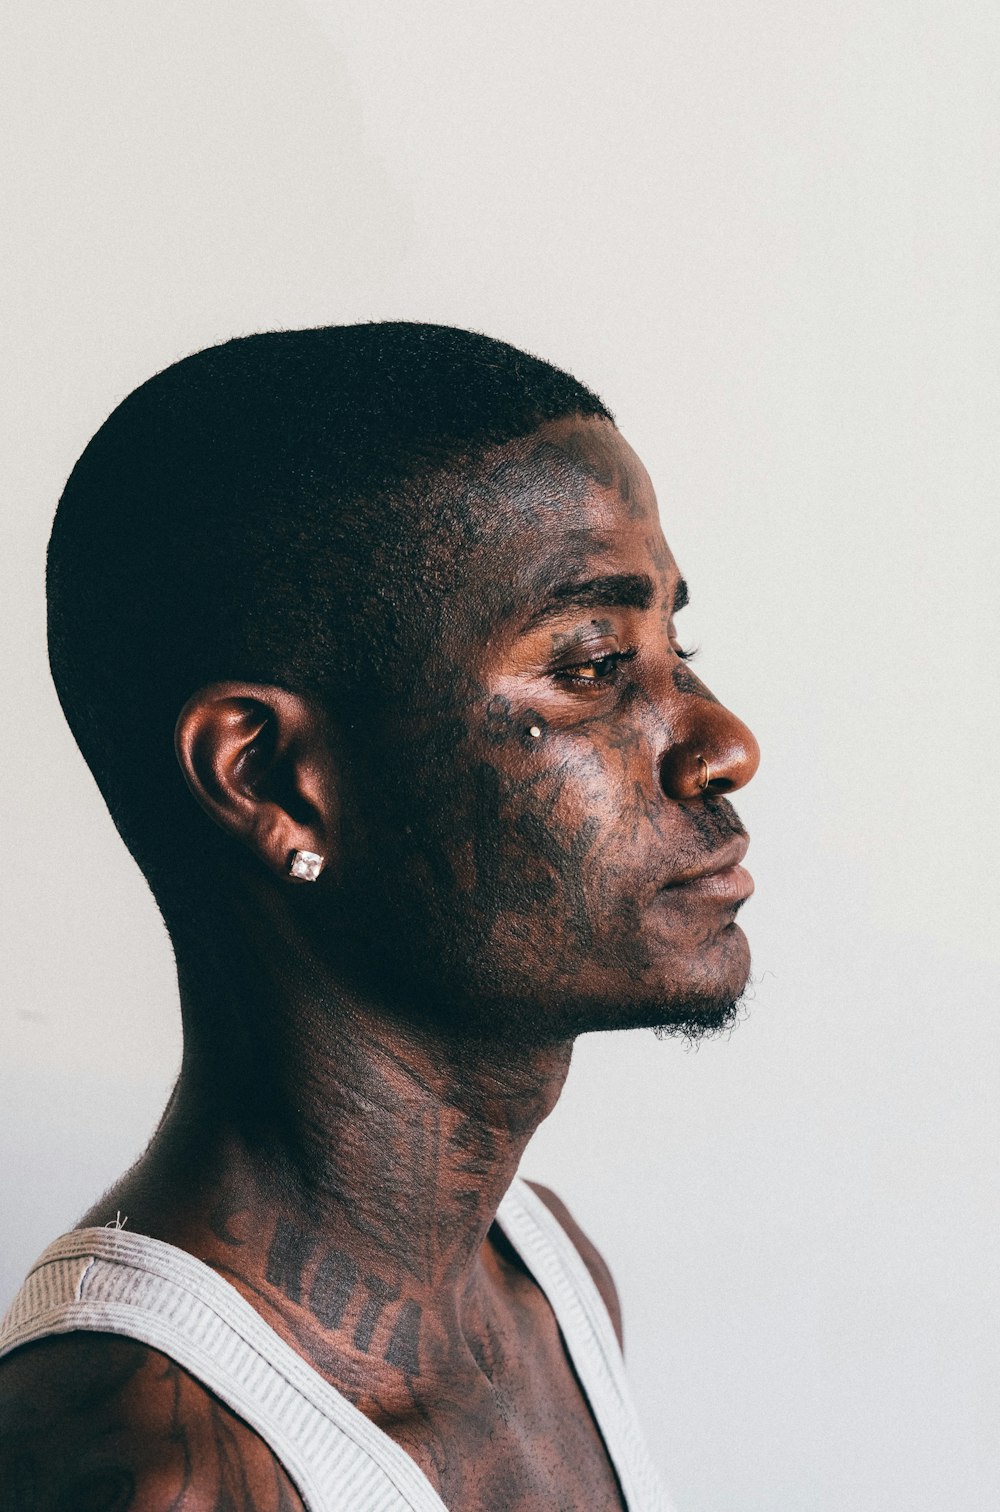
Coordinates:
(306, 865)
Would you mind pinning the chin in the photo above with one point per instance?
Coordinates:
(698, 1021)
(705, 999)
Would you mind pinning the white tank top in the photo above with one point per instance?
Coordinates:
(107, 1280)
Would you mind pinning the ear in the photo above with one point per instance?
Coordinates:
(258, 761)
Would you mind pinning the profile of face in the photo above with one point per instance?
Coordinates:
(534, 834)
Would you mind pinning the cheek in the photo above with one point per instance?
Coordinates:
(608, 774)
(503, 821)
(555, 821)
(476, 820)
(578, 781)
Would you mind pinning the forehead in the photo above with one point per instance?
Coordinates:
(596, 452)
(586, 469)
(575, 502)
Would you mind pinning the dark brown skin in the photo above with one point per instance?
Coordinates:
(367, 1057)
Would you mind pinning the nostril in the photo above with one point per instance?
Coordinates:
(720, 785)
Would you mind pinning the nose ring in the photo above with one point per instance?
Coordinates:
(706, 774)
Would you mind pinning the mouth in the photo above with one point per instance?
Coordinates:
(722, 877)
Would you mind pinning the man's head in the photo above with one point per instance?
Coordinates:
(403, 594)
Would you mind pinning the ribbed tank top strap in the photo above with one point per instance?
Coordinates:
(554, 1261)
(109, 1281)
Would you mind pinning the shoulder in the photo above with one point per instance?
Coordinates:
(106, 1423)
(589, 1253)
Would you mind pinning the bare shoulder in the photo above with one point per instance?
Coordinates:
(589, 1253)
(108, 1424)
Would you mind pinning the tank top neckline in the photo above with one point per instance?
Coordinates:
(545, 1250)
(377, 1439)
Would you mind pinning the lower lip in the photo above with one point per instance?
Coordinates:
(734, 885)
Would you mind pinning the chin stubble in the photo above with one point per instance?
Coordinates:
(706, 1018)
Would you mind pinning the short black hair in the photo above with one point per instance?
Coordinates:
(233, 514)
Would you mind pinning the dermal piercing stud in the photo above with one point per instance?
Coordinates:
(306, 865)
(535, 732)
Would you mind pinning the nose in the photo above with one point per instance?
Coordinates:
(714, 753)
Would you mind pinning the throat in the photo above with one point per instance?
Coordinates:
(346, 1183)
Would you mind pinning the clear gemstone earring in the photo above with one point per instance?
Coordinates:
(306, 865)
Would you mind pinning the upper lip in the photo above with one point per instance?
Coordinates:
(730, 854)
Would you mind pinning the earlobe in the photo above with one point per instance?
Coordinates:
(254, 758)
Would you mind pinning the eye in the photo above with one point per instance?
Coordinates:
(598, 670)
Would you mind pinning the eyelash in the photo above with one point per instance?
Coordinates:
(612, 660)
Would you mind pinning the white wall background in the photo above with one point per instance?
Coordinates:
(766, 231)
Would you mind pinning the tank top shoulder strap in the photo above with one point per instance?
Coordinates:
(557, 1266)
(109, 1281)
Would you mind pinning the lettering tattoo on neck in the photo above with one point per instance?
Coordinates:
(333, 1290)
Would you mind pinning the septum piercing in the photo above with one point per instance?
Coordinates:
(708, 774)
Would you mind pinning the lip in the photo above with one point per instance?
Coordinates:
(733, 884)
(723, 878)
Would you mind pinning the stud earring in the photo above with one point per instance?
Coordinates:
(306, 865)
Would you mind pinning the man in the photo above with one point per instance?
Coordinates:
(368, 636)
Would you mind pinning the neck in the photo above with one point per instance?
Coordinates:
(401, 1142)
(334, 1142)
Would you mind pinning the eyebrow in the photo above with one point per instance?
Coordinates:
(622, 590)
